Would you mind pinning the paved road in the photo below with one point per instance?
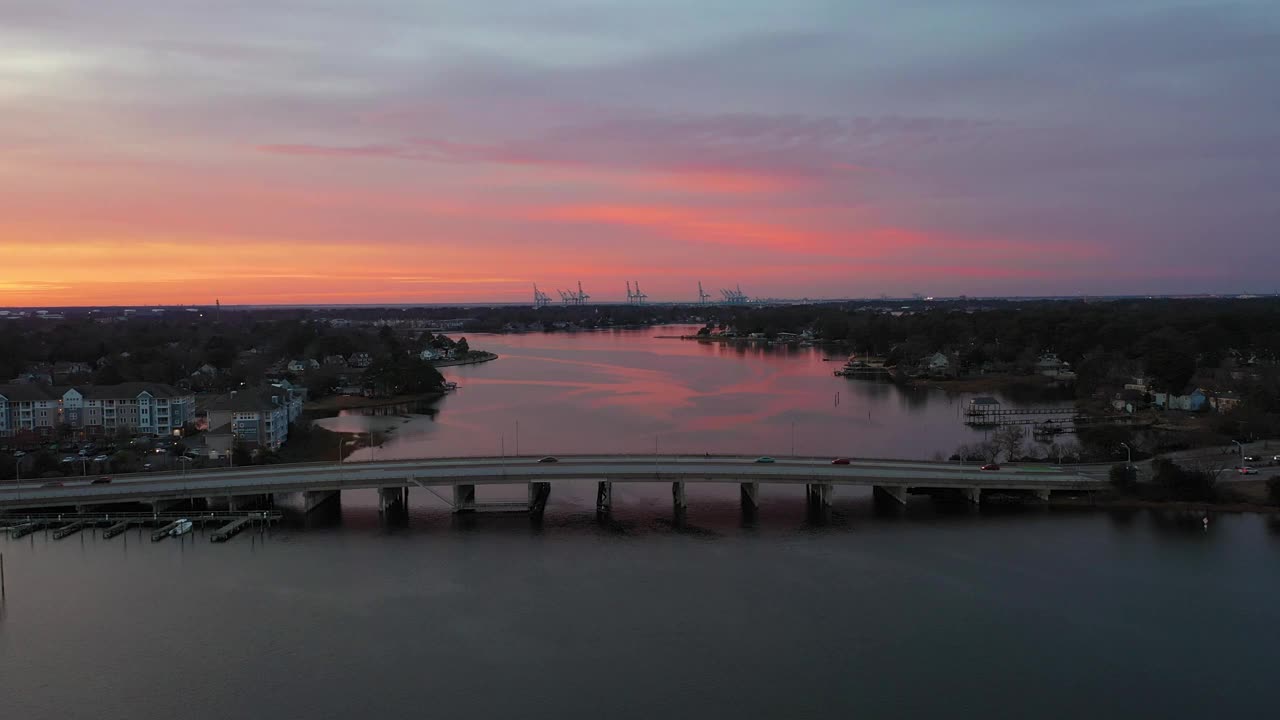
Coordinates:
(497, 470)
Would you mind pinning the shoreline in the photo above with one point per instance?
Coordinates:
(483, 358)
(351, 402)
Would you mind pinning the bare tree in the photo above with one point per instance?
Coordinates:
(1009, 439)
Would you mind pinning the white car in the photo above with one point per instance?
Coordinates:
(101, 458)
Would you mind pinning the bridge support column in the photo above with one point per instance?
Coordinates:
(538, 494)
(391, 500)
(1043, 494)
(312, 499)
(678, 497)
(896, 493)
(604, 497)
(750, 492)
(819, 495)
(464, 498)
(973, 495)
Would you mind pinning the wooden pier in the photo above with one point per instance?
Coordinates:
(230, 530)
(118, 528)
(70, 529)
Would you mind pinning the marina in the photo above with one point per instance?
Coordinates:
(64, 525)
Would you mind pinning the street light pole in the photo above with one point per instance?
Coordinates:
(1128, 453)
(1239, 445)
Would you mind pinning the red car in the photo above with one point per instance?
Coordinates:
(991, 466)
(101, 481)
(840, 461)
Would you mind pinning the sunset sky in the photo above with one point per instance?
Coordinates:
(316, 151)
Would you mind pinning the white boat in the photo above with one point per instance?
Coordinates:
(182, 528)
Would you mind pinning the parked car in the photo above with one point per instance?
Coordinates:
(548, 459)
(22, 453)
(840, 461)
(100, 458)
(101, 481)
(764, 459)
(70, 459)
(1246, 470)
(990, 466)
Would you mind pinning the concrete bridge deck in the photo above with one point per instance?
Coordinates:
(895, 477)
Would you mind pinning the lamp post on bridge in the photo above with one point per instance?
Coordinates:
(1128, 461)
(1239, 445)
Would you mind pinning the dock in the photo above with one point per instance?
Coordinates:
(230, 530)
(70, 529)
(24, 529)
(163, 531)
(118, 528)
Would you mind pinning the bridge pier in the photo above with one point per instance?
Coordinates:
(896, 493)
(464, 498)
(312, 499)
(750, 492)
(973, 495)
(678, 496)
(819, 495)
(236, 503)
(1043, 494)
(539, 492)
(604, 497)
(392, 500)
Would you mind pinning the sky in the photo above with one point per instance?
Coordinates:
(316, 151)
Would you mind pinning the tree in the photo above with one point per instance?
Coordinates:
(240, 454)
(1009, 439)
(1123, 477)
(461, 348)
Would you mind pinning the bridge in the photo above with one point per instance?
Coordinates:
(459, 476)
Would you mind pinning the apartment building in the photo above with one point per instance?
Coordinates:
(256, 417)
(94, 410)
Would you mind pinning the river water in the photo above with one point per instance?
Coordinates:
(876, 612)
(636, 391)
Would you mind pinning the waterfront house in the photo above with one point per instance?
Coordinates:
(429, 354)
(360, 360)
(336, 361)
(1193, 401)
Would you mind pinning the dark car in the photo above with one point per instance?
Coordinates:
(548, 459)
(991, 466)
(840, 461)
(101, 481)
(52, 484)
(765, 459)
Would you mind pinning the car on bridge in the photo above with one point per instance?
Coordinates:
(548, 459)
(990, 466)
(101, 481)
(840, 461)
(52, 484)
(764, 459)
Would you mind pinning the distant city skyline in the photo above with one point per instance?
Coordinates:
(398, 152)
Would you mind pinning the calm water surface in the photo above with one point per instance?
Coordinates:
(629, 391)
(922, 611)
